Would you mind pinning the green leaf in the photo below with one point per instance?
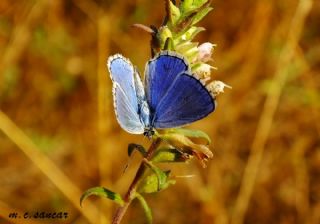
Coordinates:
(150, 184)
(191, 54)
(186, 5)
(188, 35)
(169, 44)
(167, 155)
(163, 35)
(184, 23)
(197, 134)
(191, 5)
(192, 15)
(199, 3)
(162, 176)
(139, 148)
(186, 47)
(102, 192)
(156, 181)
(145, 207)
(174, 13)
(199, 16)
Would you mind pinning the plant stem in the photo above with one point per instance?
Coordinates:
(133, 186)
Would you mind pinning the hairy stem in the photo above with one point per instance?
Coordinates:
(133, 186)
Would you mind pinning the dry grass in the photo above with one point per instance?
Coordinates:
(60, 135)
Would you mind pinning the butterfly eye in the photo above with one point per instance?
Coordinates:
(148, 132)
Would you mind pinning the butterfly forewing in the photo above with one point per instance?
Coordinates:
(160, 73)
(127, 117)
(125, 98)
(122, 72)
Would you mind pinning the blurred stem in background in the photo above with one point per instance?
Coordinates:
(270, 106)
(46, 166)
(101, 19)
(104, 105)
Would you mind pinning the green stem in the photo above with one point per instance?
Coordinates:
(145, 207)
(133, 186)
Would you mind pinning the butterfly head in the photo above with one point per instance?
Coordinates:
(149, 132)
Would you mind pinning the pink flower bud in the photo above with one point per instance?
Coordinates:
(205, 51)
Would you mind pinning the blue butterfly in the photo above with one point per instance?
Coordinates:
(170, 97)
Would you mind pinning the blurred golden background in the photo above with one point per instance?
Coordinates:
(59, 135)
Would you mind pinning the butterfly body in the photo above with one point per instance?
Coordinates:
(170, 96)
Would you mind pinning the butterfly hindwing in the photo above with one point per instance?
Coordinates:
(187, 100)
(126, 115)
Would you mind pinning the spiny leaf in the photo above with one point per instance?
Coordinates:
(191, 54)
(145, 207)
(190, 5)
(102, 192)
(186, 5)
(183, 23)
(200, 3)
(187, 46)
(139, 148)
(174, 13)
(199, 16)
(188, 35)
(193, 15)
